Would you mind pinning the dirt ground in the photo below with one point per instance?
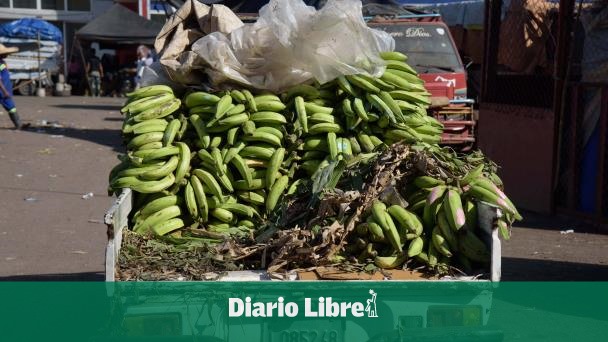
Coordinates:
(49, 229)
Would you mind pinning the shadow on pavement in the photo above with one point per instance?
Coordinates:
(518, 269)
(121, 119)
(89, 106)
(84, 276)
(556, 223)
(106, 137)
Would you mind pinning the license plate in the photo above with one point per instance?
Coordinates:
(307, 331)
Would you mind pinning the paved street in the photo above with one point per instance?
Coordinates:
(49, 231)
(544, 248)
(46, 227)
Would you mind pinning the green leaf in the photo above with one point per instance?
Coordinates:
(370, 267)
(322, 177)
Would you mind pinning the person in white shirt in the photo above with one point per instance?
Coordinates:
(144, 59)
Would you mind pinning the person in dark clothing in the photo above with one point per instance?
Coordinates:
(95, 72)
(76, 76)
(6, 87)
(109, 81)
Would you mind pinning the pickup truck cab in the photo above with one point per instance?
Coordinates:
(431, 51)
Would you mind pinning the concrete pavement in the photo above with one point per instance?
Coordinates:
(46, 226)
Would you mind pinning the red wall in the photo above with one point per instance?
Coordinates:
(520, 140)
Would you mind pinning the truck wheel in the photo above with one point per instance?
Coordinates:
(26, 89)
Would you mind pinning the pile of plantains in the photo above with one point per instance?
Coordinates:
(217, 166)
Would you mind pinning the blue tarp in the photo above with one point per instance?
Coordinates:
(466, 13)
(28, 28)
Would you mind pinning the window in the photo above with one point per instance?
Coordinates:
(57, 5)
(79, 5)
(24, 4)
(158, 7)
(428, 47)
(52, 4)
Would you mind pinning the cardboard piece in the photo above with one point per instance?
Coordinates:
(191, 21)
(181, 30)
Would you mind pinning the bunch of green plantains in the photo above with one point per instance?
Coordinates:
(221, 165)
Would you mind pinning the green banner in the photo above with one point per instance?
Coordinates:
(304, 311)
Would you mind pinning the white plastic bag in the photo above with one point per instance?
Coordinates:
(156, 74)
(292, 43)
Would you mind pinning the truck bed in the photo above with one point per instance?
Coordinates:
(116, 220)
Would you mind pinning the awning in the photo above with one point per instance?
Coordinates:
(120, 25)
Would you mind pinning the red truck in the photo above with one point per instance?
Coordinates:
(431, 50)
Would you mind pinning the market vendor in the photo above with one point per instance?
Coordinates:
(6, 86)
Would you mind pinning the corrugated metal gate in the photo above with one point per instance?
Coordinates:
(544, 108)
(516, 117)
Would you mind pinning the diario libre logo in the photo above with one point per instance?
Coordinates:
(317, 307)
